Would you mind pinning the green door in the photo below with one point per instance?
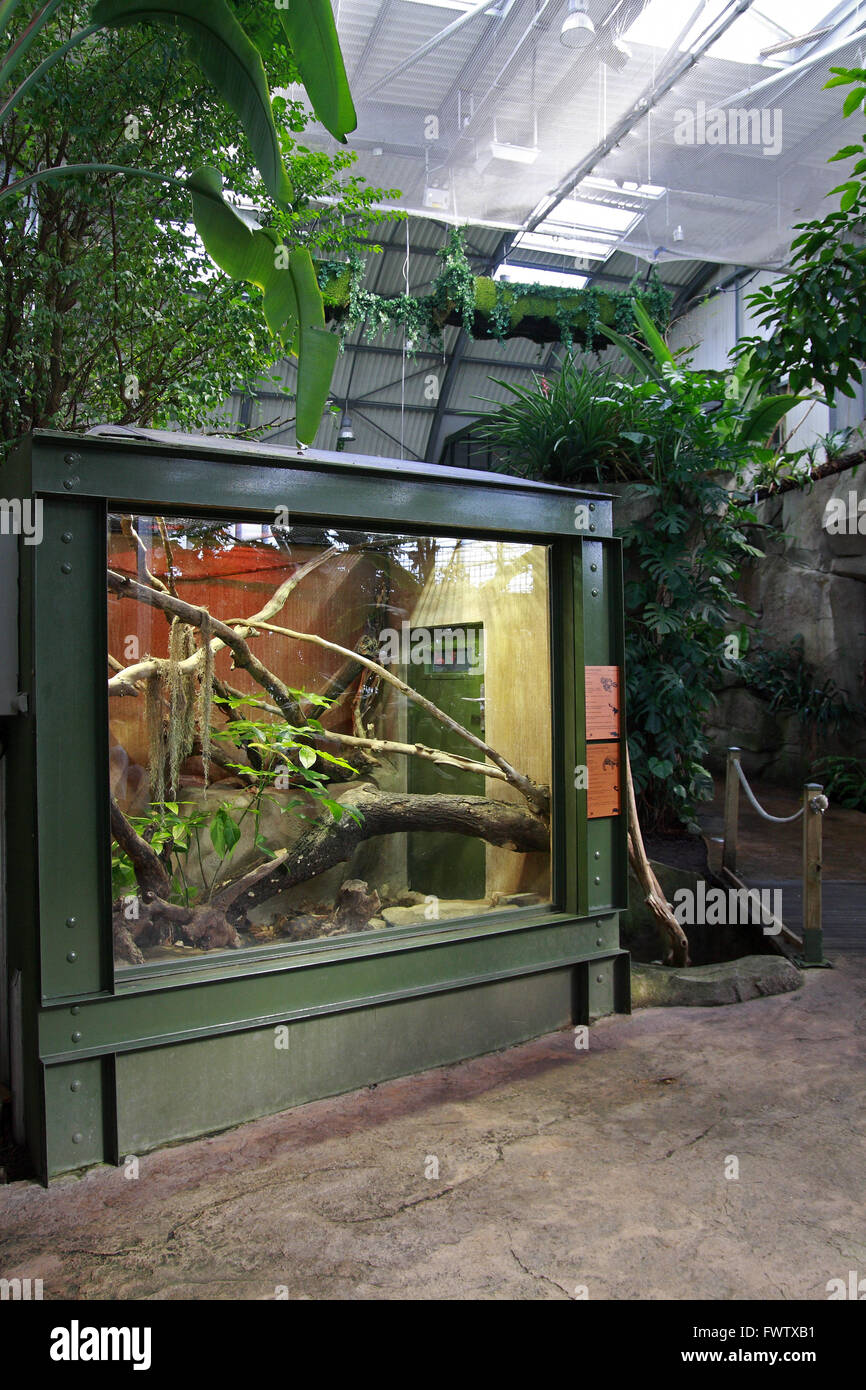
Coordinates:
(449, 866)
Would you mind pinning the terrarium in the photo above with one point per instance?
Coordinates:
(312, 766)
(317, 732)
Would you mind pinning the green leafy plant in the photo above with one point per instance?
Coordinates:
(684, 448)
(844, 781)
(785, 679)
(482, 306)
(232, 63)
(574, 427)
(812, 317)
(280, 756)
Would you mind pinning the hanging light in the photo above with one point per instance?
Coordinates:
(578, 30)
(347, 434)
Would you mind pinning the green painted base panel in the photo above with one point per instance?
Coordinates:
(194, 1088)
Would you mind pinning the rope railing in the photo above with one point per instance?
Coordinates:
(777, 820)
(812, 810)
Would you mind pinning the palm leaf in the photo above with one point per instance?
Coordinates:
(227, 58)
(639, 359)
(317, 348)
(656, 343)
(312, 34)
(293, 305)
(760, 422)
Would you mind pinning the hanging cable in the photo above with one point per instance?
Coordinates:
(403, 373)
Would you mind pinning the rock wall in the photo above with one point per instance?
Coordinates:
(812, 583)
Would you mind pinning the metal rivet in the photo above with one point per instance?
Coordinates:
(597, 879)
(76, 1037)
(592, 506)
(68, 484)
(599, 923)
(71, 459)
(598, 854)
(66, 568)
(592, 528)
(599, 979)
(66, 537)
(75, 1086)
(78, 1138)
(72, 921)
(595, 593)
(593, 568)
(71, 957)
(599, 941)
(76, 1009)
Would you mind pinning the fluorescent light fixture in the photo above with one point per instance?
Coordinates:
(648, 191)
(538, 275)
(517, 154)
(574, 246)
(578, 30)
(437, 199)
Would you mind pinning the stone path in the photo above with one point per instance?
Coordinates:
(557, 1169)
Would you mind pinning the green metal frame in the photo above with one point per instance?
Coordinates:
(77, 1019)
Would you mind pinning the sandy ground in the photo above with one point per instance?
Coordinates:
(558, 1170)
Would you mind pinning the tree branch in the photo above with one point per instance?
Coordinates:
(330, 842)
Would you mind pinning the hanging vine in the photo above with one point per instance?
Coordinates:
(484, 307)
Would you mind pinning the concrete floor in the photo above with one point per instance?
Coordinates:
(557, 1169)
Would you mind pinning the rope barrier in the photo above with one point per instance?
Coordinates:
(778, 820)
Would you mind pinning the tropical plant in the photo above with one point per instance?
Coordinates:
(279, 756)
(788, 682)
(574, 427)
(303, 35)
(686, 444)
(844, 781)
(484, 307)
(812, 317)
(109, 305)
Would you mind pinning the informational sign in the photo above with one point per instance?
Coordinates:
(602, 702)
(603, 790)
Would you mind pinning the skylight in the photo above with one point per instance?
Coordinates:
(444, 4)
(770, 22)
(537, 275)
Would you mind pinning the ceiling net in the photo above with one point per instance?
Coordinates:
(664, 128)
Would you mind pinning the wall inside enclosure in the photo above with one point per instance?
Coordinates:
(504, 588)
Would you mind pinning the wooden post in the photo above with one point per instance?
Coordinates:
(813, 936)
(732, 811)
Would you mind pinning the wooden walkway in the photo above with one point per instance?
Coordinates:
(843, 907)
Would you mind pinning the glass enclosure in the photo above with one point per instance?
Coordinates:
(318, 733)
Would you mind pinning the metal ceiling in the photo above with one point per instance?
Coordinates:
(604, 161)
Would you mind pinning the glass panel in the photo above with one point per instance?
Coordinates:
(277, 789)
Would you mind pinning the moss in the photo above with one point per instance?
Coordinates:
(485, 294)
(335, 290)
(543, 314)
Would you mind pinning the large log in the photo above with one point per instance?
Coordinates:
(329, 842)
